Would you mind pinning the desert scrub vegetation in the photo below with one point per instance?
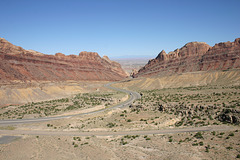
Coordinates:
(53, 107)
(209, 143)
(195, 106)
(126, 139)
(77, 142)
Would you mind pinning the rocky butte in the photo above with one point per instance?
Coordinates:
(194, 56)
(17, 63)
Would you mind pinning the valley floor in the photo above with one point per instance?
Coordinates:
(129, 132)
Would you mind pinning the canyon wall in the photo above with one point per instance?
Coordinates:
(194, 56)
(19, 64)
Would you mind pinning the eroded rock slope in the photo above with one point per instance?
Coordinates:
(194, 56)
(17, 63)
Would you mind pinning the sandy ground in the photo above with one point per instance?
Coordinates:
(118, 147)
(224, 144)
(21, 93)
(112, 147)
(183, 80)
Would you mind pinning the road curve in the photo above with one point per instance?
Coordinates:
(132, 97)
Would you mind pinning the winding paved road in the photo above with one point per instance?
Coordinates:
(132, 97)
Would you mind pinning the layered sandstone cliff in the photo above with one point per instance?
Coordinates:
(17, 63)
(194, 56)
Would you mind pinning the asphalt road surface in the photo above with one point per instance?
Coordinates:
(111, 133)
(8, 139)
(132, 96)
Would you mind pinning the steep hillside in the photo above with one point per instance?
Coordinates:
(194, 56)
(17, 63)
(201, 78)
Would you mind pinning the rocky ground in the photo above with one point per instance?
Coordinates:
(207, 145)
(211, 105)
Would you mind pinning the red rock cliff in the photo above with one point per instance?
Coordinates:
(194, 56)
(26, 65)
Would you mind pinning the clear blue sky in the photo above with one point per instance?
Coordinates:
(117, 28)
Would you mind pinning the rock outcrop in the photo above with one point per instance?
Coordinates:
(17, 63)
(194, 56)
(134, 72)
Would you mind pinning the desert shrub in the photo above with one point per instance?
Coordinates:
(207, 148)
(229, 148)
(129, 120)
(110, 125)
(198, 135)
(177, 124)
(238, 156)
(231, 134)
(75, 145)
